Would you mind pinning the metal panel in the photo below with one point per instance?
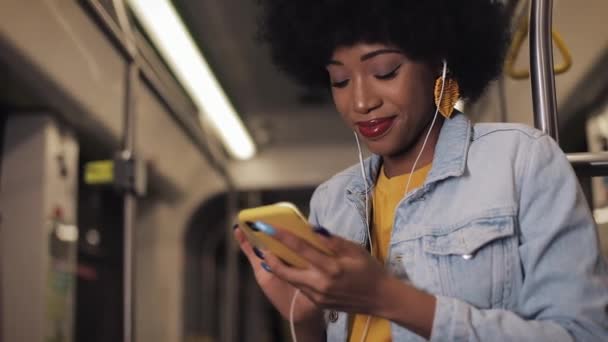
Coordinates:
(39, 177)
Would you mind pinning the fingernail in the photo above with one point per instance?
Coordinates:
(252, 226)
(264, 228)
(258, 253)
(322, 231)
(266, 267)
(235, 226)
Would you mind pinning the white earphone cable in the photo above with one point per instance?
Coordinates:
(366, 329)
(369, 235)
(364, 176)
(291, 310)
(409, 179)
(428, 133)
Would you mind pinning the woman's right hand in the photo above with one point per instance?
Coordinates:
(279, 292)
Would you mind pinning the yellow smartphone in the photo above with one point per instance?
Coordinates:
(284, 216)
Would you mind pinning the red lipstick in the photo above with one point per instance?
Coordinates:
(376, 127)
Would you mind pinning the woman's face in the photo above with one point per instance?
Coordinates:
(384, 96)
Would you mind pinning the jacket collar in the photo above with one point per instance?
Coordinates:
(449, 160)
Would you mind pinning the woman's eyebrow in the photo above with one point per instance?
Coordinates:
(378, 52)
(366, 56)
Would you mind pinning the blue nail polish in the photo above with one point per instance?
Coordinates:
(266, 267)
(322, 231)
(264, 228)
(258, 253)
(252, 226)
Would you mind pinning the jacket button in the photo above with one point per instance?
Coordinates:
(333, 316)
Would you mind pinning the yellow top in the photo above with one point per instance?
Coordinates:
(387, 194)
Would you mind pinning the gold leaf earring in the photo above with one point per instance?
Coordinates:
(451, 94)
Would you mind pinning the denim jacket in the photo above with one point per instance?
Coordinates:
(500, 233)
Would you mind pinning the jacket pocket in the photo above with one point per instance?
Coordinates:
(468, 239)
(475, 262)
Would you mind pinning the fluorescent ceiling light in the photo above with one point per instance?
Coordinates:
(169, 34)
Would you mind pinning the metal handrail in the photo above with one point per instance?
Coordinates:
(543, 88)
(541, 67)
(589, 164)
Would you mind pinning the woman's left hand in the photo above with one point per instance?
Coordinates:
(351, 280)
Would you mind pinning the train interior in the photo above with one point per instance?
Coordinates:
(118, 187)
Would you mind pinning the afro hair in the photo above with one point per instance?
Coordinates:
(471, 35)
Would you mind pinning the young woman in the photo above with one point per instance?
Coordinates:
(450, 231)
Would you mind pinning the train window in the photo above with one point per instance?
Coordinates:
(205, 275)
(99, 282)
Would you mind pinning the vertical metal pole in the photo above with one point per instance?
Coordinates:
(541, 67)
(129, 206)
(127, 154)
